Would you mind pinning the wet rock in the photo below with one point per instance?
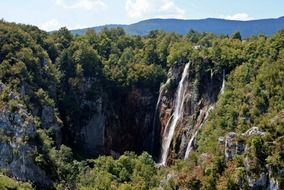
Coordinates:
(199, 96)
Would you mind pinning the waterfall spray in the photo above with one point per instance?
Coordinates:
(223, 83)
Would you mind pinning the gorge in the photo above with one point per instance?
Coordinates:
(163, 111)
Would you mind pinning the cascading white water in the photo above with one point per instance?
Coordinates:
(156, 112)
(189, 145)
(223, 83)
(178, 111)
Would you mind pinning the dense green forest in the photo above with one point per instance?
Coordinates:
(42, 71)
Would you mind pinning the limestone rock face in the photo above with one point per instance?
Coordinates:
(50, 121)
(16, 150)
(234, 145)
(17, 147)
(111, 122)
(93, 132)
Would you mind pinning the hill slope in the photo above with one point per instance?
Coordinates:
(216, 26)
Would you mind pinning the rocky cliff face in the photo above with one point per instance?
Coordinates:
(129, 126)
(116, 122)
(18, 141)
(17, 148)
(201, 91)
(233, 145)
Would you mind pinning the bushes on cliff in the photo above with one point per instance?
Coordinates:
(7, 183)
(253, 97)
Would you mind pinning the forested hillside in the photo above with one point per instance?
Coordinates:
(82, 112)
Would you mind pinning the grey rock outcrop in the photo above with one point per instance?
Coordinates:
(93, 134)
(254, 131)
(17, 130)
(233, 146)
(258, 183)
(49, 120)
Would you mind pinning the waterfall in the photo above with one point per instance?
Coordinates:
(223, 83)
(189, 146)
(177, 114)
(155, 114)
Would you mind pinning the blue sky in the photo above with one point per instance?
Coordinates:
(53, 14)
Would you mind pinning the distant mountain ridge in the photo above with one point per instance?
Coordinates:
(213, 25)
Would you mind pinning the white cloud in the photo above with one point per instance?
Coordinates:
(88, 5)
(238, 16)
(50, 25)
(142, 9)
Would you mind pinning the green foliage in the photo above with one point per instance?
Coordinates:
(42, 96)
(7, 183)
(128, 172)
(180, 52)
(236, 35)
(253, 97)
(60, 70)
